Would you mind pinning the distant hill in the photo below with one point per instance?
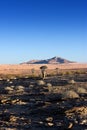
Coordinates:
(54, 60)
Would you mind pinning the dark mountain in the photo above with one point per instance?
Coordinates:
(54, 60)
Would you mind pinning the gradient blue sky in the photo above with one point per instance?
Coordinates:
(40, 29)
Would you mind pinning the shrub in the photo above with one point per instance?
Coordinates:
(40, 82)
(68, 73)
(50, 88)
(9, 88)
(33, 71)
(19, 89)
(81, 90)
(43, 68)
(71, 81)
(49, 85)
(70, 94)
(57, 71)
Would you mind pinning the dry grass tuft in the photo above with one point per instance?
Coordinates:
(40, 82)
(81, 90)
(70, 94)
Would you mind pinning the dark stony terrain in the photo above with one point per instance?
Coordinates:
(55, 103)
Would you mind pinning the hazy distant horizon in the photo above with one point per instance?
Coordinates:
(41, 29)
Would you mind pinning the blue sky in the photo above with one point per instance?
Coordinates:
(40, 29)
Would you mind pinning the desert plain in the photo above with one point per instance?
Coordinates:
(26, 68)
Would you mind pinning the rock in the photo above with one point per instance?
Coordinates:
(31, 86)
(10, 82)
(49, 119)
(50, 124)
(70, 125)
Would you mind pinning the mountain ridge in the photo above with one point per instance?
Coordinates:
(53, 60)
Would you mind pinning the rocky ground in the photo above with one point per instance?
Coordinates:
(55, 103)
